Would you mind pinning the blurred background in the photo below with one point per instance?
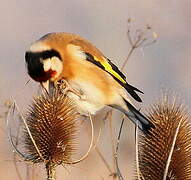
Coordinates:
(165, 65)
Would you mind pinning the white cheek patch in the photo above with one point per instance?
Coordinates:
(56, 65)
(76, 51)
(47, 65)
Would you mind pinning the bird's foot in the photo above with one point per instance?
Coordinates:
(65, 87)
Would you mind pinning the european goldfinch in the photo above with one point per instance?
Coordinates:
(69, 57)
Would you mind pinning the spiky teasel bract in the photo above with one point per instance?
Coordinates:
(159, 158)
(52, 129)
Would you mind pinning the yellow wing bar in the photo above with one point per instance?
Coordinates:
(107, 66)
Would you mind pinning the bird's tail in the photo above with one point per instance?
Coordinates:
(136, 117)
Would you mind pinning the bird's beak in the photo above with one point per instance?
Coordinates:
(48, 86)
(45, 85)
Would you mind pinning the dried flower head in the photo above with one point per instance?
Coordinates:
(51, 129)
(165, 154)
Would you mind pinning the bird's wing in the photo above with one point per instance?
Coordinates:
(94, 56)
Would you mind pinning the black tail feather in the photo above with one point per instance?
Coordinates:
(139, 119)
(131, 90)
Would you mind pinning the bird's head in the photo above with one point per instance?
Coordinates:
(44, 64)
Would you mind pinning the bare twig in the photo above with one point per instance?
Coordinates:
(140, 40)
(100, 153)
(104, 161)
(91, 144)
(118, 172)
(111, 136)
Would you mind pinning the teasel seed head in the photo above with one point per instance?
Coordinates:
(51, 132)
(165, 153)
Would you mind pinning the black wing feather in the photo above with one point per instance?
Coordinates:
(130, 89)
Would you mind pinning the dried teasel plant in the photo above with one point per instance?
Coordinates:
(165, 153)
(52, 121)
(50, 131)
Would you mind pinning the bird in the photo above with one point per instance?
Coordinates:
(94, 81)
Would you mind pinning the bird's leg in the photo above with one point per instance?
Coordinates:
(65, 87)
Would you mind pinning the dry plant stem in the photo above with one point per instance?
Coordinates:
(14, 106)
(28, 130)
(97, 140)
(171, 151)
(112, 139)
(137, 43)
(15, 150)
(133, 47)
(16, 143)
(128, 56)
(51, 171)
(104, 161)
(118, 172)
(99, 152)
(91, 144)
